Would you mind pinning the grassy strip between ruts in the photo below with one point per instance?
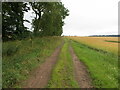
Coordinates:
(62, 75)
(20, 57)
(103, 67)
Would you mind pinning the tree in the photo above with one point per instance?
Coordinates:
(12, 20)
(48, 21)
(49, 18)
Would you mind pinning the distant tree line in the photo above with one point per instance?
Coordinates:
(104, 36)
(47, 22)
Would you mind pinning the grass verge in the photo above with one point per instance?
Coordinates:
(103, 67)
(62, 75)
(21, 57)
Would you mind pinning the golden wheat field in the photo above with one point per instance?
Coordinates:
(109, 44)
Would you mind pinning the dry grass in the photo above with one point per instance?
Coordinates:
(99, 42)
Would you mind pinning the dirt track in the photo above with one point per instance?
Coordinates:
(80, 71)
(41, 75)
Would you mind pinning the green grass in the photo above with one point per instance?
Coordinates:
(21, 57)
(113, 41)
(62, 75)
(103, 67)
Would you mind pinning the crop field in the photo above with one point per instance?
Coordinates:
(109, 44)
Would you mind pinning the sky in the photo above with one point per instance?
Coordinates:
(91, 17)
(88, 17)
(29, 16)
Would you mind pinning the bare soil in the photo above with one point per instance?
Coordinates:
(41, 75)
(81, 74)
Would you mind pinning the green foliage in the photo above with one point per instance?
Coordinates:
(12, 20)
(103, 67)
(20, 57)
(49, 18)
(63, 75)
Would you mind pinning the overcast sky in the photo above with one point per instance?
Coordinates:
(89, 17)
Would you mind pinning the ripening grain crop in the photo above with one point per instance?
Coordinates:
(109, 44)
